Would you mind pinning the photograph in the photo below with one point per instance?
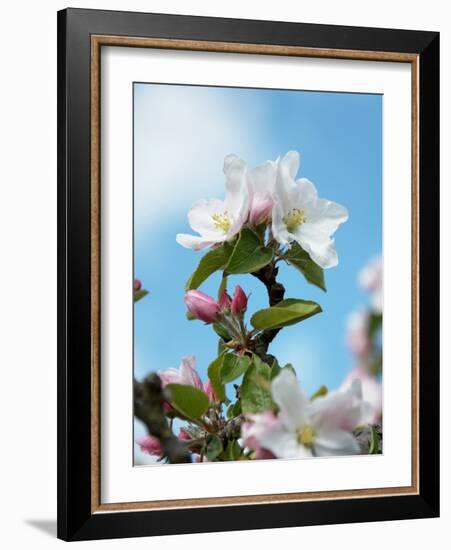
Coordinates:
(257, 288)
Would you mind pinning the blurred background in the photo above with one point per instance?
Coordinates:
(181, 136)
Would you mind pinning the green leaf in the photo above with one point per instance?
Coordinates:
(255, 393)
(212, 261)
(214, 447)
(300, 259)
(285, 313)
(221, 332)
(233, 367)
(249, 254)
(374, 443)
(320, 392)
(139, 295)
(374, 324)
(190, 401)
(214, 374)
(233, 450)
(276, 369)
(234, 409)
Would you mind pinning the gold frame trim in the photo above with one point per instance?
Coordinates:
(97, 41)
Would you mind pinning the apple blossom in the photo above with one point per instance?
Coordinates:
(357, 337)
(255, 427)
(370, 278)
(202, 306)
(150, 445)
(215, 220)
(186, 374)
(322, 427)
(299, 215)
(371, 393)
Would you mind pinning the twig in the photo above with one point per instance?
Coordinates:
(149, 401)
(276, 292)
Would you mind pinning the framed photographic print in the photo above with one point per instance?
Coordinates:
(248, 274)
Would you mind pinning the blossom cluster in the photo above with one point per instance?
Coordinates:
(268, 194)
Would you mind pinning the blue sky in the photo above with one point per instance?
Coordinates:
(181, 136)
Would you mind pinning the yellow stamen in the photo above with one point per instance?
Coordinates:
(294, 219)
(306, 436)
(222, 221)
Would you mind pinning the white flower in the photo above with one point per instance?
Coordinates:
(321, 427)
(299, 215)
(371, 279)
(371, 392)
(215, 220)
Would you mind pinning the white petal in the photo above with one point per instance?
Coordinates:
(290, 399)
(291, 162)
(200, 216)
(320, 247)
(263, 178)
(326, 216)
(279, 229)
(308, 190)
(335, 443)
(283, 444)
(192, 241)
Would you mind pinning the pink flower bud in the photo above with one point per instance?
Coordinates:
(184, 435)
(208, 389)
(239, 301)
(260, 209)
(225, 300)
(202, 306)
(150, 445)
(136, 285)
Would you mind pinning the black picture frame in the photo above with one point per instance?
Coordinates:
(76, 520)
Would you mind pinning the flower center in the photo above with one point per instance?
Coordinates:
(294, 219)
(306, 435)
(222, 221)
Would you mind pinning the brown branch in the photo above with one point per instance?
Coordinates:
(149, 402)
(276, 291)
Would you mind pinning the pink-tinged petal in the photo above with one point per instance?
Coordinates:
(150, 445)
(188, 373)
(291, 400)
(343, 410)
(202, 306)
(260, 210)
(169, 376)
(256, 426)
(210, 392)
(193, 242)
(335, 443)
(263, 454)
(184, 435)
(371, 388)
(196, 458)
